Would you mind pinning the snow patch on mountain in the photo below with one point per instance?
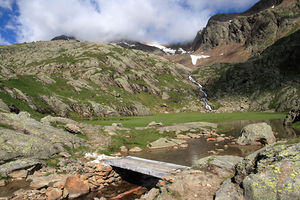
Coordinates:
(195, 58)
(163, 48)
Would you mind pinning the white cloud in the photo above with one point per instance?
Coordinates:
(7, 4)
(104, 20)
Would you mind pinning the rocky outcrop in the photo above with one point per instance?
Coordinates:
(269, 173)
(30, 139)
(256, 28)
(57, 106)
(260, 133)
(292, 117)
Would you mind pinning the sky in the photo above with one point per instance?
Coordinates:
(161, 21)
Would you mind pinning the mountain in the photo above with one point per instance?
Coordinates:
(270, 81)
(81, 79)
(237, 37)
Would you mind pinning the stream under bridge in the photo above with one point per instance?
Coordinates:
(153, 168)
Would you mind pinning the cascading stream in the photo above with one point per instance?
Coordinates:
(204, 99)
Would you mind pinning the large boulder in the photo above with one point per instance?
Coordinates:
(14, 144)
(76, 187)
(274, 173)
(223, 165)
(256, 134)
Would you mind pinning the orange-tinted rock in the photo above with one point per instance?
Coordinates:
(53, 193)
(76, 187)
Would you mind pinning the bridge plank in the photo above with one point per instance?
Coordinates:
(149, 167)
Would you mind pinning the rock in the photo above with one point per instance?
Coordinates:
(135, 149)
(165, 96)
(64, 154)
(220, 139)
(57, 106)
(292, 117)
(3, 183)
(20, 164)
(165, 143)
(72, 128)
(224, 166)
(76, 187)
(3, 107)
(178, 128)
(253, 133)
(48, 119)
(229, 191)
(45, 79)
(123, 149)
(276, 176)
(39, 182)
(140, 110)
(153, 123)
(194, 136)
(184, 137)
(20, 174)
(53, 193)
(32, 138)
(151, 195)
(100, 110)
(117, 125)
(211, 139)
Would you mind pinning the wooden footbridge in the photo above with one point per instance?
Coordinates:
(149, 167)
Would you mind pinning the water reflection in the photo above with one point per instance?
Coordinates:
(198, 148)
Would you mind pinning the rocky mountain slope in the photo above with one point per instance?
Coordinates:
(237, 37)
(266, 82)
(70, 78)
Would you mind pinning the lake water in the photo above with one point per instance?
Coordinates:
(198, 148)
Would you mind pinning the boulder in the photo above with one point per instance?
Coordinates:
(3, 107)
(166, 143)
(224, 166)
(135, 149)
(140, 110)
(48, 119)
(153, 123)
(271, 173)
(53, 193)
(76, 187)
(256, 134)
(292, 117)
(38, 182)
(229, 191)
(73, 128)
(57, 106)
(20, 164)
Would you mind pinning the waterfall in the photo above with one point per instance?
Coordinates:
(204, 99)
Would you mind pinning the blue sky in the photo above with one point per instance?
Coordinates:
(106, 20)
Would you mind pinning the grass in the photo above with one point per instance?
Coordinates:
(296, 126)
(136, 138)
(172, 118)
(6, 126)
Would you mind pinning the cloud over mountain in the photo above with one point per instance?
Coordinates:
(106, 20)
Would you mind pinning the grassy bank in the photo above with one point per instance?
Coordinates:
(172, 118)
